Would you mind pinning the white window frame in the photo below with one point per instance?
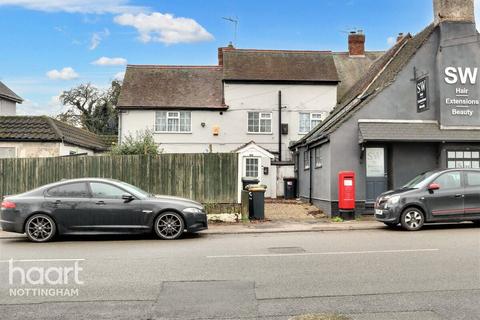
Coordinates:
(261, 116)
(313, 116)
(463, 159)
(167, 117)
(258, 166)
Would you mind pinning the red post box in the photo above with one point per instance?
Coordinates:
(346, 191)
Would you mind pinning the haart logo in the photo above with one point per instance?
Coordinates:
(464, 75)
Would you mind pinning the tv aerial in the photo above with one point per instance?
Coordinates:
(235, 23)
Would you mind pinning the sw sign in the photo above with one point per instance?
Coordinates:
(454, 75)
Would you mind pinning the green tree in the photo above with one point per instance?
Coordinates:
(142, 143)
(92, 108)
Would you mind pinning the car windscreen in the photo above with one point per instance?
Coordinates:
(418, 181)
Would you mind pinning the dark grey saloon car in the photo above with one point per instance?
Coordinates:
(450, 195)
(93, 206)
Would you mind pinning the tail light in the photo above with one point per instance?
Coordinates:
(8, 205)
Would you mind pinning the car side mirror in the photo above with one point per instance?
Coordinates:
(433, 186)
(127, 197)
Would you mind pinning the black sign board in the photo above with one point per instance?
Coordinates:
(422, 94)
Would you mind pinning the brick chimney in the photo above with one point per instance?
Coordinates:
(454, 10)
(400, 37)
(356, 43)
(220, 53)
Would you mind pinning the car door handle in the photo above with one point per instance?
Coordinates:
(459, 196)
(100, 203)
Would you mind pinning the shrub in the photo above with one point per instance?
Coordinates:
(142, 143)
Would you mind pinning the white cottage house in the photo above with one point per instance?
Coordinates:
(268, 97)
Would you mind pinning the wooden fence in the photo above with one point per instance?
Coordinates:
(208, 178)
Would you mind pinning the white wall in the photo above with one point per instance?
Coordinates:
(7, 107)
(283, 172)
(240, 98)
(42, 149)
(33, 149)
(65, 150)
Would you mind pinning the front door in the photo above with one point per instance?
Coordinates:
(449, 200)
(112, 213)
(251, 167)
(376, 172)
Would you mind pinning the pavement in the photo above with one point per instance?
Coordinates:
(270, 227)
(377, 274)
(289, 226)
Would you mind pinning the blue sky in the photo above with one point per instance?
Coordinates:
(52, 45)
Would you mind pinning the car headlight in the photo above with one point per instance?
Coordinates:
(192, 210)
(392, 200)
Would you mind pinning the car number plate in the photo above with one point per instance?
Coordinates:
(378, 212)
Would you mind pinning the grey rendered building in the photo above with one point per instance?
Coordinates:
(416, 109)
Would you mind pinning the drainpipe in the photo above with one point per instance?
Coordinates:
(311, 175)
(279, 125)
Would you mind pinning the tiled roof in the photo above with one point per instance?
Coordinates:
(171, 87)
(6, 93)
(380, 75)
(44, 129)
(279, 65)
(412, 131)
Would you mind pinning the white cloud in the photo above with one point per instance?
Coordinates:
(51, 107)
(119, 76)
(66, 73)
(76, 6)
(391, 41)
(97, 37)
(165, 28)
(106, 61)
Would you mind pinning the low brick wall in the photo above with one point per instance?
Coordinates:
(222, 208)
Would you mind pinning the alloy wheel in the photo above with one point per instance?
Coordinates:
(412, 219)
(40, 228)
(169, 226)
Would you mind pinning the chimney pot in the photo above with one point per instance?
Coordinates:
(400, 36)
(356, 43)
(454, 10)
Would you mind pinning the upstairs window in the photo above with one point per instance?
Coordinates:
(308, 121)
(173, 121)
(259, 122)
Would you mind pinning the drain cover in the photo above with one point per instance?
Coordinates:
(286, 250)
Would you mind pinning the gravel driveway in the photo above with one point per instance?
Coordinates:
(292, 210)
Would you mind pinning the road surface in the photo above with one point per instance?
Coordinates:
(371, 274)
